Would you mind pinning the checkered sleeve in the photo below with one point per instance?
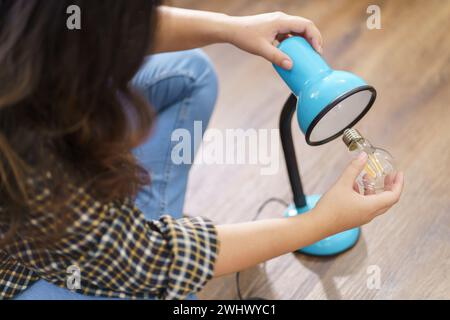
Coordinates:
(132, 257)
(111, 250)
(192, 247)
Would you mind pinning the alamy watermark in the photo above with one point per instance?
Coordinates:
(73, 280)
(73, 21)
(229, 146)
(374, 19)
(373, 281)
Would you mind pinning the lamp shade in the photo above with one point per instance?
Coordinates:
(328, 101)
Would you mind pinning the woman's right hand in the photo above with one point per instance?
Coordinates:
(245, 244)
(343, 208)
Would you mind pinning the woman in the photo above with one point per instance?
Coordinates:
(87, 183)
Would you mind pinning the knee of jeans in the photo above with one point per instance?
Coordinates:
(205, 75)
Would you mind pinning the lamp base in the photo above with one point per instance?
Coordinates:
(329, 246)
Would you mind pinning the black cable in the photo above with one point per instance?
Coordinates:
(258, 213)
(238, 287)
(265, 203)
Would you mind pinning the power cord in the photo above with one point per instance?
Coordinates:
(258, 213)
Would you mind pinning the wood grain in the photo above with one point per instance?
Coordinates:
(408, 62)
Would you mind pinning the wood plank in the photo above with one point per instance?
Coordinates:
(408, 62)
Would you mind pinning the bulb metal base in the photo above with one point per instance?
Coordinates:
(351, 135)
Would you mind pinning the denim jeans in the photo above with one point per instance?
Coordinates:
(182, 88)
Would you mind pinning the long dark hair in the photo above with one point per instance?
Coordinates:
(66, 106)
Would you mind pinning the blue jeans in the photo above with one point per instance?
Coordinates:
(182, 87)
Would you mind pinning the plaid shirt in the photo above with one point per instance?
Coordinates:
(119, 254)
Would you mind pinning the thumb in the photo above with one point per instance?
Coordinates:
(276, 56)
(354, 169)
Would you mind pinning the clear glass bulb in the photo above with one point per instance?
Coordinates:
(380, 166)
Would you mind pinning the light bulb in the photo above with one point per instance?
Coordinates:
(379, 167)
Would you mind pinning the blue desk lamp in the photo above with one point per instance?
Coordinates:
(327, 103)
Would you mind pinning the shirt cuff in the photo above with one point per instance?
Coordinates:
(194, 247)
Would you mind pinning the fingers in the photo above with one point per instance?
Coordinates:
(368, 188)
(399, 181)
(388, 198)
(282, 36)
(276, 56)
(303, 27)
(283, 26)
(356, 187)
(368, 191)
(389, 181)
(353, 170)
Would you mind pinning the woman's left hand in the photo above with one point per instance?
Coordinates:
(257, 34)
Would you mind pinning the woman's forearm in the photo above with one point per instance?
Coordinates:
(246, 244)
(182, 29)
(341, 208)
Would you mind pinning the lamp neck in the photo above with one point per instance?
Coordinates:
(289, 151)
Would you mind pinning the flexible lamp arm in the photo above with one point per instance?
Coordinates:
(289, 151)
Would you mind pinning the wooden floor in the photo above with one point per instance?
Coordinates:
(408, 62)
